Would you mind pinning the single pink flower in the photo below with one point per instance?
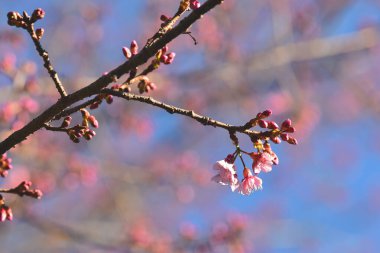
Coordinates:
(262, 162)
(250, 183)
(227, 174)
(268, 150)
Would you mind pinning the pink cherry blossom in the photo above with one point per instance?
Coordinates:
(227, 174)
(250, 183)
(268, 150)
(262, 162)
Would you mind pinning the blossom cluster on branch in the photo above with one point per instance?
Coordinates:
(263, 159)
(93, 94)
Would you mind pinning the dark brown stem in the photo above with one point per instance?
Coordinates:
(45, 57)
(55, 129)
(95, 87)
(189, 113)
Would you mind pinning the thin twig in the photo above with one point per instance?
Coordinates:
(45, 57)
(55, 129)
(189, 113)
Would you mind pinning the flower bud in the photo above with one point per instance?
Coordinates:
(109, 99)
(94, 105)
(194, 4)
(127, 52)
(292, 141)
(93, 121)
(272, 125)
(290, 130)
(37, 14)
(39, 33)
(163, 58)
(229, 159)
(262, 123)
(266, 113)
(164, 18)
(170, 58)
(286, 124)
(134, 47)
(275, 140)
(85, 113)
(164, 49)
(284, 136)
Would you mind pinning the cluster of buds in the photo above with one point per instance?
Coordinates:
(5, 211)
(145, 85)
(15, 19)
(262, 160)
(99, 98)
(83, 130)
(23, 189)
(25, 21)
(5, 165)
(165, 57)
(133, 50)
(277, 133)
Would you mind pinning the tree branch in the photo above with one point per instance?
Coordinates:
(95, 87)
(204, 120)
(45, 57)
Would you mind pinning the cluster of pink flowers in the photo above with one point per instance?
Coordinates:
(263, 159)
(227, 174)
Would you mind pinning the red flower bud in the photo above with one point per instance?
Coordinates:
(37, 14)
(126, 52)
(290, 130)
(93, 121)
(292, 141)
(194, 4)
(272, 125)
(170, 58)
(109, 99)
(164, 49)
(266, 113)
(39, 33)
(284, 136)
(262, 123)
(275, 140)
(94, 105)
(164, 18)
(134, 47)
(66, 122)
(286, 124)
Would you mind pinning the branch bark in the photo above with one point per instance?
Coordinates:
(95, 87)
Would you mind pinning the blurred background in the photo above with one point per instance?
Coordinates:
(143, 183)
